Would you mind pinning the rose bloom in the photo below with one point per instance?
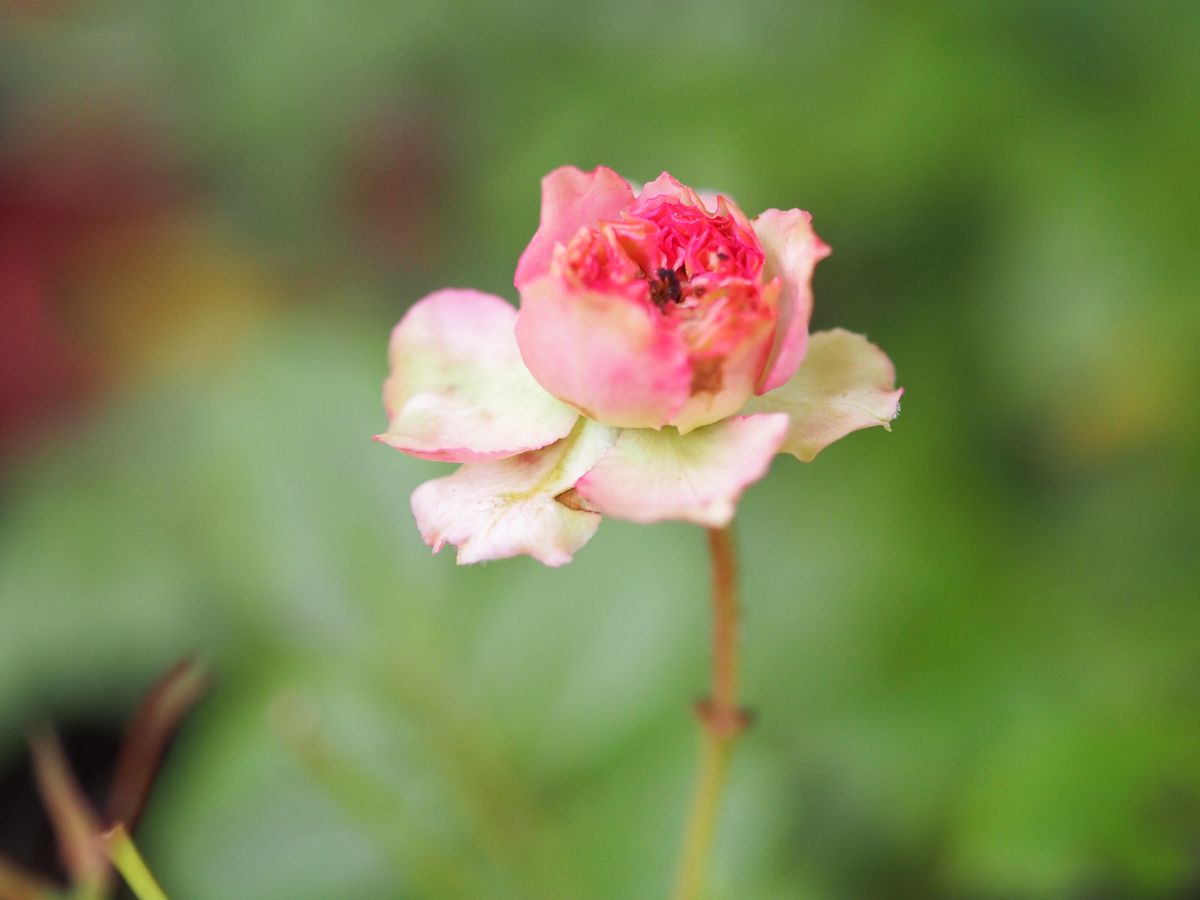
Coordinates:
(659, 360)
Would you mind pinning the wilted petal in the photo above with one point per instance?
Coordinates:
(652, 475)
(571, 199)
(721, 385)
(609, 355)
(458, 390)
(845, 383)
(792, 251)
(502, 508)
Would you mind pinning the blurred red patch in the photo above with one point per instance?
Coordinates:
(63, 186)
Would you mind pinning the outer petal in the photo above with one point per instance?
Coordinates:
(652, 475)
(458, 390)
(845, 383)
(792, 252)
(503, 508)
(571, 199)
(611, 356)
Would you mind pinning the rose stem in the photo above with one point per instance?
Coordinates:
(721, 721)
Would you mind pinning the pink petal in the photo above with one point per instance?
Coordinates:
(611, 356)
(652, 475)
(792, 252)
(721, 388)
(709, 200)
(507, 507)
(712, 202)
(845, 383)
(458, 390)
(571, 199)
(666, 185)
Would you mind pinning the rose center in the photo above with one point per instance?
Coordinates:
(667, 286)
(701, 270)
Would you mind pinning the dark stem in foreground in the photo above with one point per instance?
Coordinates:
(721, 721)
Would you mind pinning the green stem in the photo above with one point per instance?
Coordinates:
(721, 721)
(120, 849)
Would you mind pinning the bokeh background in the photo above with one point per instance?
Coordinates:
(973, 644)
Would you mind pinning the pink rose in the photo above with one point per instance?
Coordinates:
(660, 359)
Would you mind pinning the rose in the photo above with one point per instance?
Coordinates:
(659, 361)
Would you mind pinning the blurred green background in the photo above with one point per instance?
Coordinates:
(973, 644)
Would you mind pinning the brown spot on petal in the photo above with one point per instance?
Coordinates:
(571, 500)
(708, 375)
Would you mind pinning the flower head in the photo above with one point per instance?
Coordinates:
(659, 361)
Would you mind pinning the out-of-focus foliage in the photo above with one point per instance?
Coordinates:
(973, 645)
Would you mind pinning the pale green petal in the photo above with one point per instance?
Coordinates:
(845, 383)
(652, 475)
(507, 507)
(458, 390)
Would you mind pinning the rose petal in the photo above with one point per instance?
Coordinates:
(792, 251)
(652, 475)
(458, 390)
(610, 355)
(711, 202)
(666, 185)
(845, 383)
(571, 199)
(721, 386)
(503, 508)
(726, 207)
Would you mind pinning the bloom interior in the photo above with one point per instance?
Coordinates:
(659, 360)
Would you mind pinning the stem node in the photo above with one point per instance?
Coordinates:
(723, 722)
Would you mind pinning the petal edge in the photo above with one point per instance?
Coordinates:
(792, 250)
